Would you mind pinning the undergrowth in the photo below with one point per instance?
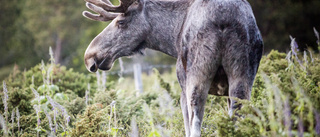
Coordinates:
(51, 100)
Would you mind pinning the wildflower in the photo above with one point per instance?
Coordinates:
(113, 103)
(18, 119)
(305, 57)
(3, 125)
(53, 104)
(5, 98)
(37, 108)
(134, 128)
(32, 80)
(64, 113)
(55, 113)
(317, 116)
(294, 46)
(51, 55)
(287, 120)
(295, 49)
(300, 128)
(317, 35)
(87, 97)
(312, 60)
(36, 94)
(50, 121)
(87, 94)
(43, 71)
(56, 106)
(5, 103)
(12, 120)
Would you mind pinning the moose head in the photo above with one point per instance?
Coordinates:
(124, 36)
(130, 31)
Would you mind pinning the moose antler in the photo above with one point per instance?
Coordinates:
(108, 6)
(102, 16)
(103, 7)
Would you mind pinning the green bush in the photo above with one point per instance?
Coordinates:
(285, 99)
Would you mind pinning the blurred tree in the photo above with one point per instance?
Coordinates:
(15, 41)
(9, 14)
(56, 23)
(28, 28)
(279, 19)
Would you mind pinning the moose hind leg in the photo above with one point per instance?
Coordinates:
(184, 108)
(239, 89)
(183, 99)
(197, 93)
(241, 70)
(197, 86)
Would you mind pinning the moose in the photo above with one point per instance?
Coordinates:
(217, 44)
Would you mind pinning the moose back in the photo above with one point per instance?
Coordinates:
(217, 44)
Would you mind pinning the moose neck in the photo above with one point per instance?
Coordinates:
(166, 18)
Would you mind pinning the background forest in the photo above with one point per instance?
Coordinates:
(48, 92)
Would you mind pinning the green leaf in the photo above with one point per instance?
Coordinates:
(60, 96)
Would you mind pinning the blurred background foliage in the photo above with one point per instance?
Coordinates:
(29, 28)
(277, 19)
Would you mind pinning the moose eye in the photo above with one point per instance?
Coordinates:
(120, 23)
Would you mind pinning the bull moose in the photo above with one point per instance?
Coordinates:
(217, 44)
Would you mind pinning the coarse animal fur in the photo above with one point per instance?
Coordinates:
(217, 44)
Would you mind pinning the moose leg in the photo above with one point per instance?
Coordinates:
(183, 99)
(197, 92)
(240, 79)
(241, 70)
(199, 78)
(241, 89)
(184, 108)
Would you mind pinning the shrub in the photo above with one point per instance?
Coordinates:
(285, 101)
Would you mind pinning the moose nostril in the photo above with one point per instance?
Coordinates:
(93, 68)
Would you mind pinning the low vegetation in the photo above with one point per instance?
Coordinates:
(51, 100)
